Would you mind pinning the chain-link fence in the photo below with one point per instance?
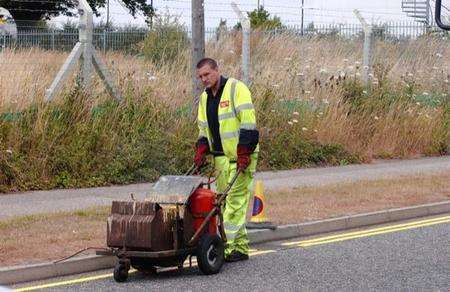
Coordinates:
(126, 39)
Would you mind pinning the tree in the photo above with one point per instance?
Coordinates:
(28, 10)
(260, 18)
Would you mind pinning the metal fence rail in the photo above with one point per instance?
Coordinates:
(126, 39)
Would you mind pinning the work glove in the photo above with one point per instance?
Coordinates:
(243, 157)
(200, 155)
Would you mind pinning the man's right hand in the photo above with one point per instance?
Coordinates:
(200, 155)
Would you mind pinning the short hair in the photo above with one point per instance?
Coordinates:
(211, 62)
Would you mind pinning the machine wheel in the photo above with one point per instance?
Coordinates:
(120, 272)
(210, 254)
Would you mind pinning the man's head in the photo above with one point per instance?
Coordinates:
(208, 72)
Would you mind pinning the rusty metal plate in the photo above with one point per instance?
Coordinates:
(173, 189)
(140, 225)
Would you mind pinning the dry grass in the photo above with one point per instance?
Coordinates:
(40, 238)
(50, 237)
(312, 203)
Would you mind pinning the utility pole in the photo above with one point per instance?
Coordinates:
(198, 46)
(151, 15)
(303, 3)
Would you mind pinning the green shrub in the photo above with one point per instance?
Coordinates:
(166, 41)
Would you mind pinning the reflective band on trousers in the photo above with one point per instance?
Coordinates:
(203, 124)
(228, 135)
(244, 106)
(248, 126)
(225, 116)
(231, 227)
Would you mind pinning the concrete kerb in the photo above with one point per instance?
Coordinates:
(27, 273)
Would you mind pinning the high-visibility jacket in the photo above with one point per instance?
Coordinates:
(236, 113)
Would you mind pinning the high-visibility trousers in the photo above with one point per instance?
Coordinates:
(236, 203)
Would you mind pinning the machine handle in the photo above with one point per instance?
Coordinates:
(214, 211)
(437, 16)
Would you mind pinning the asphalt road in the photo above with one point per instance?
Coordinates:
(407, 256)
(37, 202)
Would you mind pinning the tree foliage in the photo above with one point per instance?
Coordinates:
(260, 18)
(34, 11)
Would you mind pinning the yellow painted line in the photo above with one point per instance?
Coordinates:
(253, 252)
(261, 252)
(64, 283)
(367, 234)
(355, 233)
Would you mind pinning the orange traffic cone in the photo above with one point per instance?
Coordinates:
(259, 219)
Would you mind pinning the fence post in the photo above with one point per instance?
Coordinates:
(86, 32)
(245, 43)
(368, 47)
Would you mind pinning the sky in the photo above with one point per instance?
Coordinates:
(317, 11)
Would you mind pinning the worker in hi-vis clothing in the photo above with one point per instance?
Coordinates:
(227, 124)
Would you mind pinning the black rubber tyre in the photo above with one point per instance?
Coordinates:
(120, 273)
(210, 254)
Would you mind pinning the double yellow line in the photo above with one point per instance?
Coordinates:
(368, 232)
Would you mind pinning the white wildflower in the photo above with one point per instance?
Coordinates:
(300, 74)
(288, 59)
(446, 80)
(307, 91)
(272, 110)
(295, 113)
(425, 93)
(357, 63)
(304, 129)
(315, 131)
(275, 85)
(150, 76)
(295, 121)
(290, 123)
(320, 113)
(376, 118)
(418, 103)
(410, 74)
(9, 151)
(364, 91)
(439, 55)
(325, 101)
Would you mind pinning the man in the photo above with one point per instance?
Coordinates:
(227, 124)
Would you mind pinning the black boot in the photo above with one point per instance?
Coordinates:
(236, 256)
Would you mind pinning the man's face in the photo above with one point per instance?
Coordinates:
(208, 76)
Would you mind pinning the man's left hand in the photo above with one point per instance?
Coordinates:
(243, 157)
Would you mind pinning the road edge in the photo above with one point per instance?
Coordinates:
(27, 273)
